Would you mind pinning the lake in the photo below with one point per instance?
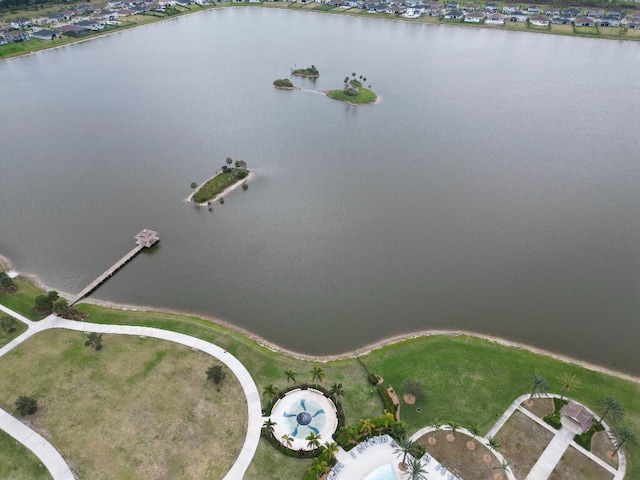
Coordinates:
(494, 188)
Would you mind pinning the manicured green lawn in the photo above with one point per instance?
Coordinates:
(23, 300)
(465, 379)
(364, 96)
(269, 463)
(6, 337)
(17, 462)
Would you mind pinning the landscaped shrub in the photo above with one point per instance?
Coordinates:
(373, 379)
(389, 406)
(553, 419)
(584, 440)
(283, 83)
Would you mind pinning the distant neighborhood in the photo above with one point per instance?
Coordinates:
(83, 19)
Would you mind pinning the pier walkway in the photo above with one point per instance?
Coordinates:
(112, 269)
(146, 238)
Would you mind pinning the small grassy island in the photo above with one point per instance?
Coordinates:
(354, 91)
(229, 175)
(284, 83)
(311, 71)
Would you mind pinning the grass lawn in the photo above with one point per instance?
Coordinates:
(139, 408)
(16, 461)
(364, 96)
(540, 407)
(522, 441)
(216, 185)
(269, 463)
(23, 300)
(575, 466)
(465, 379)
(6, 337)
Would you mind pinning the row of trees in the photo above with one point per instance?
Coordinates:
(51, 302)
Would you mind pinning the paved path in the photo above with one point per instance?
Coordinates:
(254, 407)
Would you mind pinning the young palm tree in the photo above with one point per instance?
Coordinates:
(416, 470)
(270, 391)
(330, 448)
(403, 447)
(352, 433)
(493, 443)
(268, 426)
(475, 429)
(317, 375)
(366, 426)
(610, 407)
(569, 382)
(291, 376)
(624, 435)
(313, 440)
(337, 391)
(287, 440)
(538, 385)
(454, 426)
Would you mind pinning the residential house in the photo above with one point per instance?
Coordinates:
(495, 18)
(90, 25)
(433, 11)
(454, 15)
(518, 17)
(634, 23)
(594, 13)
(474, 17)
(552, 12)
(610, 21)
(584, 22)
(397, 9)
(507, 9)
(16, 36)
(572, 12)
(19, 23)
(490, 8)
(539, 20)
(55, 17)
(45, 34)
(562, 19)
(40, 20)
(452, 6)
(532, 10)
(470, 8)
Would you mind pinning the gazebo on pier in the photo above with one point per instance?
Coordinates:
(146, 238)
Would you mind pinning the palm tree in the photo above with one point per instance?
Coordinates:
(313, 440)
(416, 470)
(317, 375)
(610, 407)
(366, 426)
(623, 435)
(475, 430)
(194, 185)
(268, 426)
(503, 466)
(337, 391)
(493, 443)
(270, 391)
(229, 160)
(538, 385)
(403, 447)
(287, 440)
(569, 382)
(330, 448)
(291, 376)
(320, 467)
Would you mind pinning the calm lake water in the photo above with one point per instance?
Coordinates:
(495, 187)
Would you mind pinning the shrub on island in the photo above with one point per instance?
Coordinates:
(311, 71)
(230, 174)
(283, 83)
(354, 91)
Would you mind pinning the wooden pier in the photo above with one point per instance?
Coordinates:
(146, 238)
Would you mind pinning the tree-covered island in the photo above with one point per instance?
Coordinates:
(354, 92)
(229, 175)
(311, 71)
(284, 83)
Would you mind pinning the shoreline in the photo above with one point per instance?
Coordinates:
(416, 20)
(364, 350)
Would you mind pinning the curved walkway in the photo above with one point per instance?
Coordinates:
(54, 461)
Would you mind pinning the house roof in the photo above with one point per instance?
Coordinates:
(578, 414)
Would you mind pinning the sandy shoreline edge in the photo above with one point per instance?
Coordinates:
(7, 265)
